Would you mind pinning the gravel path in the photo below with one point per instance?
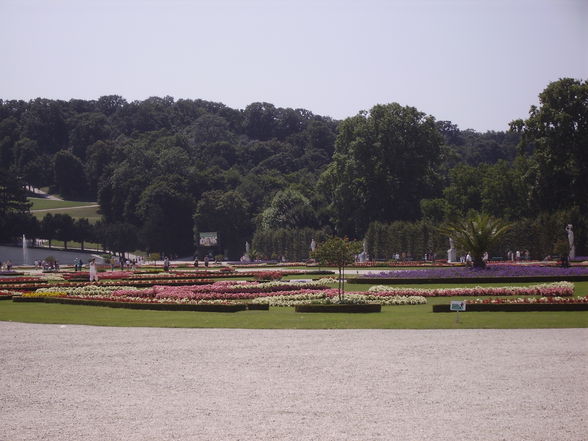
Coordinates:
(90, 383)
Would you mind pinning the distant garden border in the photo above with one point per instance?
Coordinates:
(453, 280)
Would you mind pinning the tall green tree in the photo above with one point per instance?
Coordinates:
(338, 252)
(288, 209)
(384, 163)
(64, 228)
(14, 207)
(165, 209)
(70, 179)
(226, 213)
(558, 132)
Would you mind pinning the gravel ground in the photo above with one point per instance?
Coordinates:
(91, 383)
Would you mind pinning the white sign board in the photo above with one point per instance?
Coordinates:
(457, 306)
(208, 239)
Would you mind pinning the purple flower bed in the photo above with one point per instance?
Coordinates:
(490, 271)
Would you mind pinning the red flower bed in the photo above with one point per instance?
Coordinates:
(268, 275)
(107, 275)
(19, 279)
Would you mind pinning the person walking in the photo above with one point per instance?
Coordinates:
(93, 271)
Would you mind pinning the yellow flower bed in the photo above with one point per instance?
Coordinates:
(45, 294)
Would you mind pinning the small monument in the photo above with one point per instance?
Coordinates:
(312, 245)
(572, 254)
(363, 256)
(451, 252)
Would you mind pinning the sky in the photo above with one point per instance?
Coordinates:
(477, 63)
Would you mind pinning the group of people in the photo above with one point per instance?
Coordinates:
(197, 263)
(467, 259)
(47, 265)
(6, 266)
(517, 256)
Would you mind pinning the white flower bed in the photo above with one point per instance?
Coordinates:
(306, 299)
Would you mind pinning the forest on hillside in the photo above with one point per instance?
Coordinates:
(164, 170)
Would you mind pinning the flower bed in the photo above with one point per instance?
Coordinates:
(560, 289)
(208, 307)
(5, 280)
(6, 295)
(522, 304)
(330, 297)
(492, 271)
(405, 263)
(529, 300)
(273, 293)
(219, 292)
(106, 275)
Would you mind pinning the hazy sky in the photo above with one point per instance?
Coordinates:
(479, 64)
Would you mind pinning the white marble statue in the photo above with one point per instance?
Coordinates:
(451, 252)
(572, 254)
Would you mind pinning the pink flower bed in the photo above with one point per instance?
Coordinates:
(268, 275)
(532, 300)
(218, 291)
(558, 289)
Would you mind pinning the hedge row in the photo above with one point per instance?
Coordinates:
(520, 279)
(151, 306)
(338, 308)
(517, 307)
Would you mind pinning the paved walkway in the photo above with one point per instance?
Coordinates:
(61, 383)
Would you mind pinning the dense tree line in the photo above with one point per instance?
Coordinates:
(164, 170)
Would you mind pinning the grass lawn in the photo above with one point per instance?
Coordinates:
(90, 213)
(391, 317)
(47, 204)
(76, 209)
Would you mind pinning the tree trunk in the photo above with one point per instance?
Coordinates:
(343, 282)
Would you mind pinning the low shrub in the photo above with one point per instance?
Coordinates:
(347, 308)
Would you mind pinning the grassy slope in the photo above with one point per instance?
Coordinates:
(45, 204)
(391, 317)
(81, 210)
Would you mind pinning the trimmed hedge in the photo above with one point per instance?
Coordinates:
(338, 308)
(516, 307)
(452, 280)
(6, 297)
(133, 305)
(28, 299)
(258, 306)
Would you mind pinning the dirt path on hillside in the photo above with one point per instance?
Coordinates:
(86, 383)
